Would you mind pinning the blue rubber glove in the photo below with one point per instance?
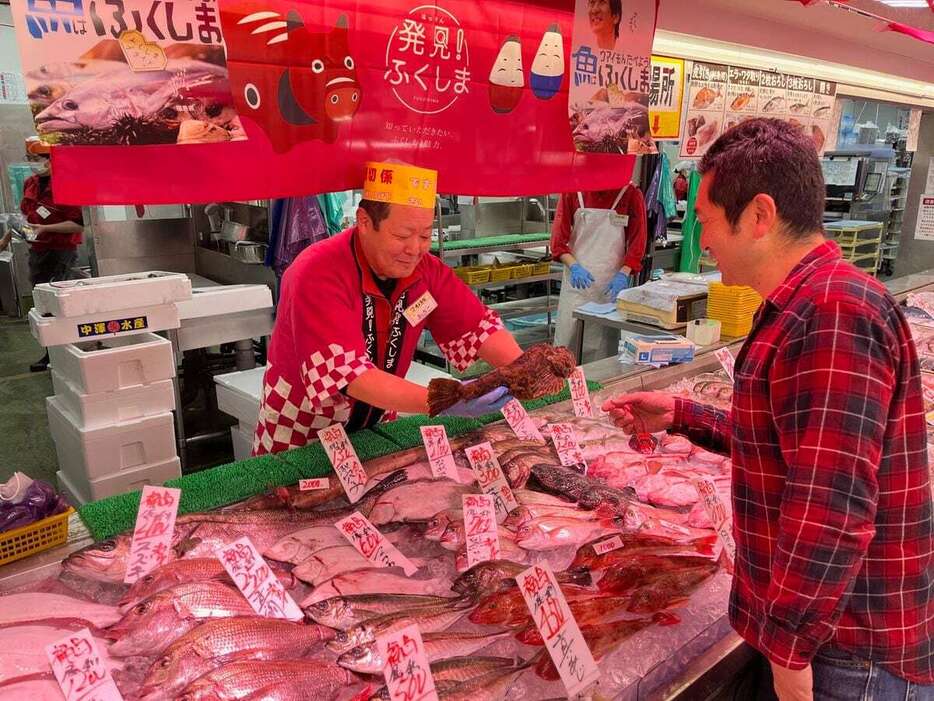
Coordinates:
(619, 283)
(485, 404)
(581, 278)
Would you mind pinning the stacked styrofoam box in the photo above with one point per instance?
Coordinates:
(239, 394)
(111, 416)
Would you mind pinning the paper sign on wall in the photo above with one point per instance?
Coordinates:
(152, 537)
(924, 230)
(665, 97)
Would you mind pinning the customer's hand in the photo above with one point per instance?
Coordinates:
(791, 684)
(482, 405)
(581, 278)
(642, 411)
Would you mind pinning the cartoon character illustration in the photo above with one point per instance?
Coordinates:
(297, 84)
(548, 65)
(506, 79)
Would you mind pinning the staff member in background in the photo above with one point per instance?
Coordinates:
(352, 309)
(58, 228)
(600, 237)
(832, 512)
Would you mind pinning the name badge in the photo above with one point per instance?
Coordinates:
(43, 212)
(420, 309)
(620, 220)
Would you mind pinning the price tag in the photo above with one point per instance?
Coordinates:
(480, 528)
(726, 360)
(78, 669)
(559, 630)
(608, 545)
(420, 309)
(569, 450)
(580, 395)
(520, 422)
(491, 479)
(313, 484)
(673, 527)
(717, 512)
(438, 449)
(152, 537)
(372, 544)
(256, 581)
(344, 459)
(407, 671)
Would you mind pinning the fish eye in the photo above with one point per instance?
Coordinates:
(334, 99)
(148, 579)
(140, 609)
(164, 662)
(348, 62)
(44, 90)
(317, 66)
(107, 545)
(70, 105)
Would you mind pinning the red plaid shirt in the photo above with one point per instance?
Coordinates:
(831, 493)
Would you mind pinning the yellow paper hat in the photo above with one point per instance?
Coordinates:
(398, 183)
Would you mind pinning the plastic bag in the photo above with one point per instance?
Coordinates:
(40, 501)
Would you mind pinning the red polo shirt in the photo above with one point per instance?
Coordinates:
(334, 323)
(39, 207)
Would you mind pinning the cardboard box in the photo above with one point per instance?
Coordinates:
(659, 349)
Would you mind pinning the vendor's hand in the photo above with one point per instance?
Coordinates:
(791, 684)
(482, 405)
(642, 411)
(619, 283)
(581, 278)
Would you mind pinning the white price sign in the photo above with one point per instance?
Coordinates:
(344, 459)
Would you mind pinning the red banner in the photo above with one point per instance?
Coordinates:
(322, 87)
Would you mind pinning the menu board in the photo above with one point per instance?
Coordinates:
(720, 97)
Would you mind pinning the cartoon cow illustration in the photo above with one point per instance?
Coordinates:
(297, 84)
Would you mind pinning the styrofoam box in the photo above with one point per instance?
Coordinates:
(110, 364)
(71, 298)
(81, 491)
(105, 452)
(205, 301)
(57, 331)
(239, 394)
(242, 442)
(107, 408)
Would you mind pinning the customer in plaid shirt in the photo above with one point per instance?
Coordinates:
(834, 572)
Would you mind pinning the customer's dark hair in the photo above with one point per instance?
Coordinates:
(377, 211)
(616, 8)
(772, 157)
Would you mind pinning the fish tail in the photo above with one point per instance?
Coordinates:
(442, 394)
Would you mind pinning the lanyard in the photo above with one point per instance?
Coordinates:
(396, 330)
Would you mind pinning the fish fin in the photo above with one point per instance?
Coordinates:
(443, 394)
(181, 609)
(666, 618)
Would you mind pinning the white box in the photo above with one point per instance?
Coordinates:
(242, 442)
(57, 331)
(658, 348)
(108, 451)
(102, 295)
(239, 394)
(108, 408)
(110, 364)
(232, 299)
(82, 491)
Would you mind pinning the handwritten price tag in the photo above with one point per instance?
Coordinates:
(372, 544)
(438, 449)
(608, 545)
(344, 459)
(726, 360)
(407, 671)
(491, 479)
(559, 630)
(259, 585)
(580, 395)
(152, 537)
(79, 670)
(313, 484)
(480, 528)
(520, 422)
(569, 450)
(717, 512)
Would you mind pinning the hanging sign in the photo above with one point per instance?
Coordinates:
(665, 98)
(924, 230)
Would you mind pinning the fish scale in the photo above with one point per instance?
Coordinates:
(241, 679)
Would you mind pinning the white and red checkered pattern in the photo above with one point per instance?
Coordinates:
(326, 375)
(464, 351)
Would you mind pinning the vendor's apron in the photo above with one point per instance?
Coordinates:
(598, 242)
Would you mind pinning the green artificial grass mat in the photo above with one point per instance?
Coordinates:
(484, 241)
(404, 432)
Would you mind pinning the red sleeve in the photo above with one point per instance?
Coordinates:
(561, 228)
(636, 229)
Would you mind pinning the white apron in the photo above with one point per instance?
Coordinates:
(598, 242)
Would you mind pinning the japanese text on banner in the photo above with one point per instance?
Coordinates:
(580, 395)
(480, 528)
(569, 450)
(152, 536)
(438, 449)
(520, 422)
(562, 636)
(491, 479)
(344, 459)
(259, 585)
(370, 543)
(79, 670)
(407, 671)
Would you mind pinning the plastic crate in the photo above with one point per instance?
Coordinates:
(34, 538)
(502, 273)
(849, 232)
(523, 271)
(542, 268)
(473, 274)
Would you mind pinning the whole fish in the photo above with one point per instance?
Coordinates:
(508, 607)
(54, 609)
(525, 514)
(34, 690)
(588, 609)
(311, 679)
(601, 639)
(671, 588)
(217, 642)
(328, 563)
(343, 612)
(634, 545)
(430, 619)
(551, 532)
(299, 546)
(151, 626)
(383, 581)
(585, 491)
(488, 577)
(441, 521)
(448, 674)
(441, 687)
(22, 651)
(365, 659)
(529, 497)
(508, 550)
(491, 686)
(418, 501)
(646, 569)
(51, 81)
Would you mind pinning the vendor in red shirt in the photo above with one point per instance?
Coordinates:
(600, 237)
(57, 228)
(352, 309)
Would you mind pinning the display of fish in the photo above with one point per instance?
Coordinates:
(430, 619)
(418, 501)
(22, 651)
(217, 642)
(671, 588)
(492, 686)
(586, 492)
(449, 674)
(643, 570)
(488, 577)
(54, 609)
(551, 532)
(540, 371)
(365, 659)
(601, 639)
(343, 612)
(328, 563)
(302, 679)
(383, 581)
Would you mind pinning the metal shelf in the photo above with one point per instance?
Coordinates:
(524, 307)
(518, 281)
(494, 249)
